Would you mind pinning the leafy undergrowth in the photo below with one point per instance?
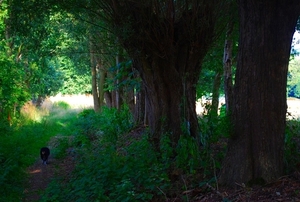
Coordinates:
(111, 165)
(116, 162)
(114, 178)
(109, 158)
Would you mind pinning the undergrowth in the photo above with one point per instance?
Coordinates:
(106, 169)
(114, 163)
(115, 160)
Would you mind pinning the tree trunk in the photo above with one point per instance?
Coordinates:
(141, 105)
(255, 151)
(118, 90)
(101, 83)
(227, 66)
(108, 99)
(94, 78)
(170, 39)
(215, 95)
(170, 99)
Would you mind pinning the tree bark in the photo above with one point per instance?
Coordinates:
(227, 66)
(215, 95)
(118, 90)
(101, 83)
(108, 99)
(255, 151)
(142, 108)
(170, 98)
(94, 79)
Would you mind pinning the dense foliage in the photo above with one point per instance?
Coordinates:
(293, 85)
(39, 56)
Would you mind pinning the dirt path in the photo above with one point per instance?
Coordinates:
(41, 175)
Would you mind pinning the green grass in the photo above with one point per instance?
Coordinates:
(20, 144)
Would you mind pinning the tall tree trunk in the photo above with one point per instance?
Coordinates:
(108, 99)
(255, 151)
(101, 77)
(227, 66)
(215, 95)
(94, 79)
(170, 99)
(118, 90)
(139, 112)
(140, 106)
(101, 83)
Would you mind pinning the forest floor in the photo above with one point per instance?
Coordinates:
(285, 189)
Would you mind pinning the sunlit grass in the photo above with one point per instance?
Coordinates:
(21, 141)
(30, 112)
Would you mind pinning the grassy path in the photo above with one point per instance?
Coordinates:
(61, 162)
(41, 175)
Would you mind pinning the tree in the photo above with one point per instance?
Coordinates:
(169, 40)
(13, 89)
(255, 150)
(28, 39)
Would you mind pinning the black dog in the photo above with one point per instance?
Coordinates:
(45, 152)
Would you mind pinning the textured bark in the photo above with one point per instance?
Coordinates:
(139, 110)
(101, 83)
(117, 90)
(227, 66)
(255, 151)
(108, 99)
(215, 95)
(94, 79)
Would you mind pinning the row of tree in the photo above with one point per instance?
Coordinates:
(164, 44)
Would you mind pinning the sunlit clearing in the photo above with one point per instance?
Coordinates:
(75, 101)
